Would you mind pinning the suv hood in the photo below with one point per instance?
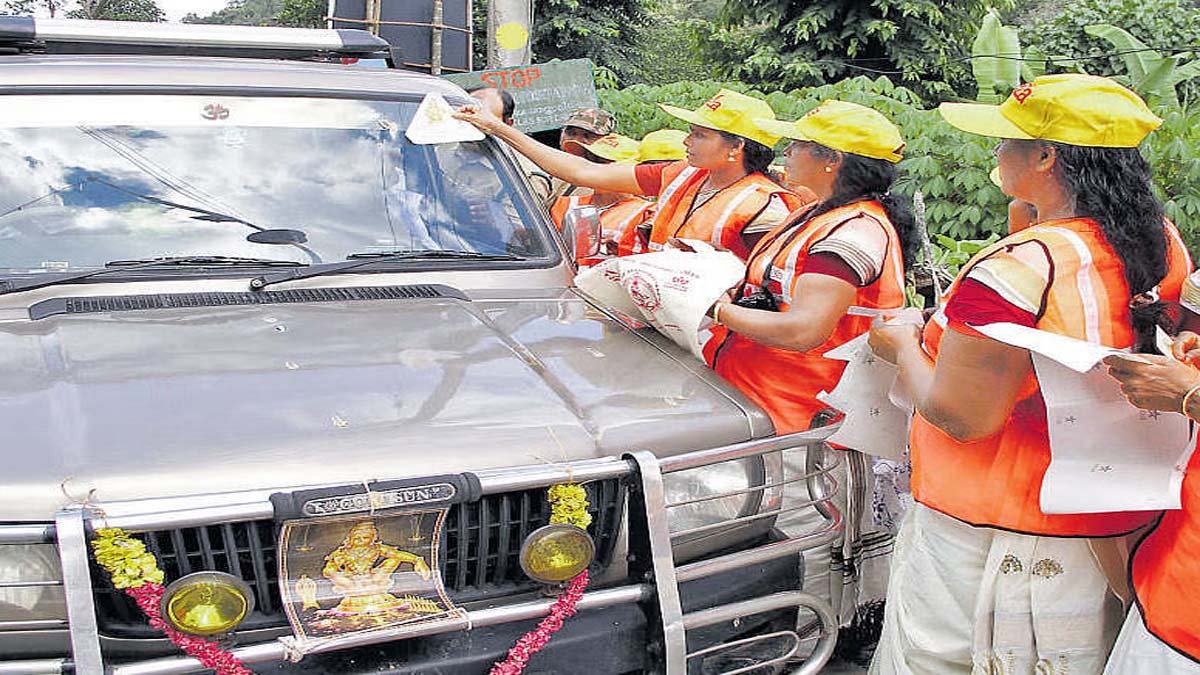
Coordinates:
(206, 400)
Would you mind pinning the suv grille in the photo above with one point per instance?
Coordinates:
(479, 557)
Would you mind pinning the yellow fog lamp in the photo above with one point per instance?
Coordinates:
(207, 603)
(557, 553)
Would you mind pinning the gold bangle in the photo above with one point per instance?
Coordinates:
(1190, 393)
(717, 312)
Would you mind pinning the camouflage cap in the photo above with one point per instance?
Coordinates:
(594, 120)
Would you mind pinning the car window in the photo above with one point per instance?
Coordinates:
(85, 180)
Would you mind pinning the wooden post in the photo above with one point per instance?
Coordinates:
(435, 39)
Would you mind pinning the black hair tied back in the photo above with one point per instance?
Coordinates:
(1112, 186)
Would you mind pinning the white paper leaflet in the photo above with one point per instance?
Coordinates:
(877, 411)
(1106, 454)
(433, 123)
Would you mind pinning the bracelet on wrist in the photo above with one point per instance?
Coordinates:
(716, 312)
(1183, 406)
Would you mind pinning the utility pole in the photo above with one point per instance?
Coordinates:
(509, 25)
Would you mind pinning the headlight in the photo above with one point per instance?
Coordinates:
(36, 565)
(709, 495)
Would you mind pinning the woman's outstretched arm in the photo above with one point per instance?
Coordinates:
(563, 165)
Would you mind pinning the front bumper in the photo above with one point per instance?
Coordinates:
(670, 619)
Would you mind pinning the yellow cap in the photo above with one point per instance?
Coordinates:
(615, 147)
(662, 144)
(1068, 108)
(844, 126)
(731, 112)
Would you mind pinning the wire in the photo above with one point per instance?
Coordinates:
(852, 63)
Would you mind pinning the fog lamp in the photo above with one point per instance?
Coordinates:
(207, 603)
(556, 553)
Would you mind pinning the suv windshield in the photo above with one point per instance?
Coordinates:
(86, 180)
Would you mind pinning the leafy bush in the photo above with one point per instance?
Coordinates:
(1158, 23)
(793, 43)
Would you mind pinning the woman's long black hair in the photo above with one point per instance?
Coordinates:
(861, 178)
(1113, 187)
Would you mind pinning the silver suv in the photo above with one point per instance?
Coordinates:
(227, 279)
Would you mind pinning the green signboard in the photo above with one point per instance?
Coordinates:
(545, 93)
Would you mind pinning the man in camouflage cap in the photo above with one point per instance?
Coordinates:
(582, 127)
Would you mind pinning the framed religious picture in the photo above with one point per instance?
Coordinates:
(346, 574)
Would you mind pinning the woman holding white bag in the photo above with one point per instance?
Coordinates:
(806, 279)
(811, 285)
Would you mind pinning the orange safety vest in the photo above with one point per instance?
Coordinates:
(721, 219)
(619, 223)
(996, 481)
(558, 210)
(1164, 572)
(782, 382)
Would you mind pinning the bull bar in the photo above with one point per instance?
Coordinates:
(659, 586)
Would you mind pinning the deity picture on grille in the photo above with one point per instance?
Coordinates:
(358, 573)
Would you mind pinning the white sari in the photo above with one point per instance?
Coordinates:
(964, 599)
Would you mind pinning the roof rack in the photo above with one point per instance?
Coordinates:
(20, 34)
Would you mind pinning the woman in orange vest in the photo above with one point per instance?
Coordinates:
(814, 283)
(620, 214)
(811, 285)
(1161, 635)
(982, 579)
(720, 194)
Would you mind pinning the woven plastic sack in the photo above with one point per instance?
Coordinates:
(602, 282)
(674, 289)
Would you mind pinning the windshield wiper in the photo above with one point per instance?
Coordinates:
(126, 265)
(364, 259)
(207, 261)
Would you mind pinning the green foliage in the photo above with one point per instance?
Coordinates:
(243, 13)
(784, 44)
(1149, 73)
(995, 66)
(118, 10)
(1162, 24)
(951, 254)
(303, 13)
(1172, 151)
(30, 7)
(605, 31)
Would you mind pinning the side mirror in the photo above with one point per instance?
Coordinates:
(581, 231)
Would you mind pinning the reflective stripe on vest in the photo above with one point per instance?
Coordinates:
(563, 204)
(996, 481)
(785, 383)
(1165, 573)
(620, 221)
(721, 219)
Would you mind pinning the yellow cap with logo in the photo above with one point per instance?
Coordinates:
(848, 127)
(730, 112)
(615, 147)
(664, 144)
(1070, 108)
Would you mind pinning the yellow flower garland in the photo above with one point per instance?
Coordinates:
(125, 558)
(568, 504)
